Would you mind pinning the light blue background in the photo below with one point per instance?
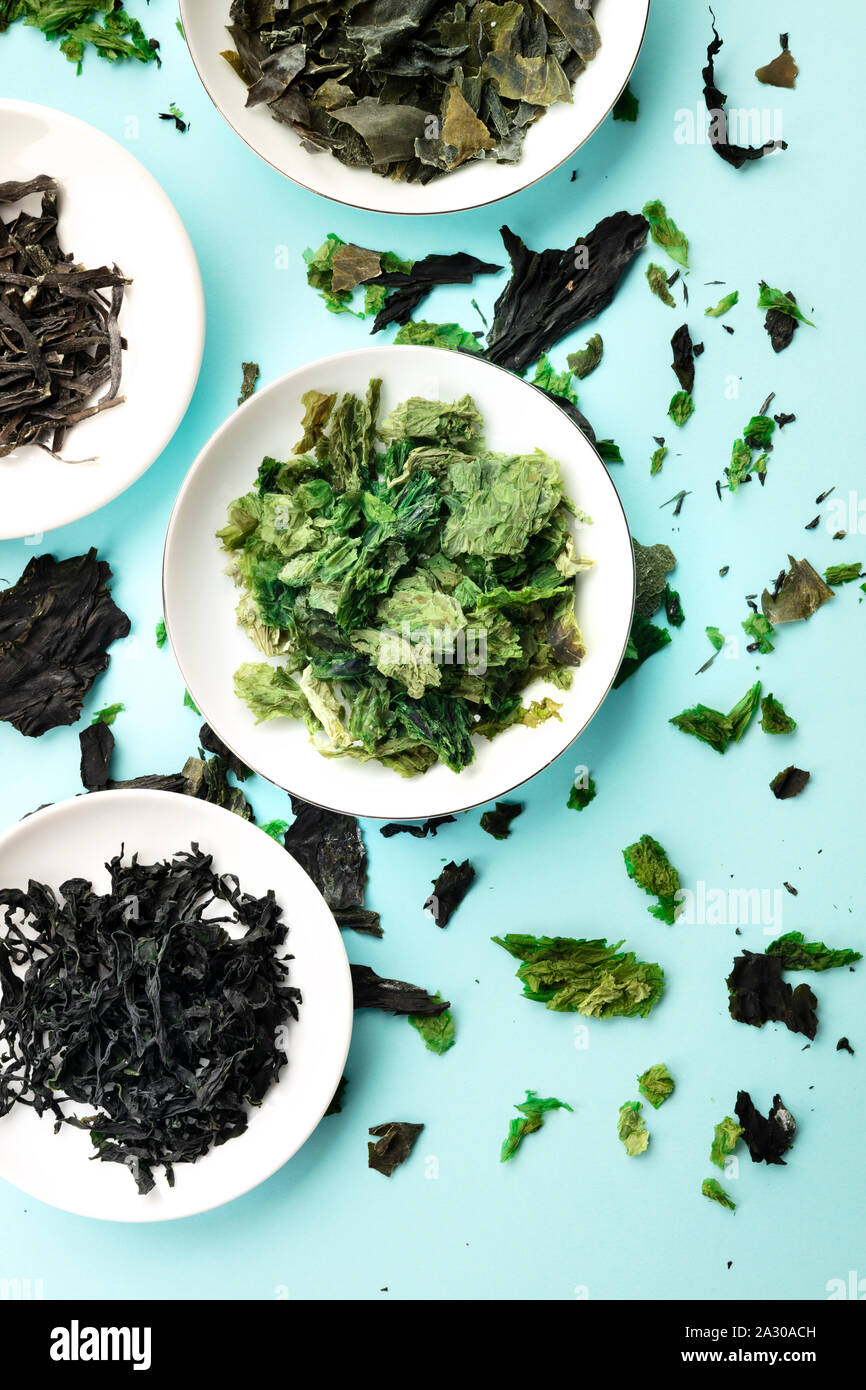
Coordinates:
(572, 1212)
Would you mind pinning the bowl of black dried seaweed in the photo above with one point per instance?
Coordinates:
(175, 1006)
(398, 582)
(425, 106)
(101, 319)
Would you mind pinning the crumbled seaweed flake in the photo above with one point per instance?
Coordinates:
(631, 1130)
(626, 106)
(836, 575)
(395, 1141)
(774, 720)
(449, 890)
(758, 994)
(674, 607)
(160, 634)
(715, 728)
(767, 1139)
(718, 311)
(797, 594)
(251, 374)
(796, 953)
(726, 1136)
(532, 1113)
(498, 822)
(648, 866)
(658, 283)
(788, 783)
(666, 233)
(681, 408)
(657, 460)
(437, 1031)
(336, 1105)
(592, 978)
(656, 1085)
(712, 1188)
(843, 1045)
(581, 794)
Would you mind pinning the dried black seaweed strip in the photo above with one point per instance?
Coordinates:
(97, 746)
(56, 625)
(189, 1020)
(716, 100)
(684, 358)
(767, 1139)
(410, 288)
(359, 919)
(60, 339)
(449, 890)
(330, 848)
(372, 991)
(420, 832)
(551, 292)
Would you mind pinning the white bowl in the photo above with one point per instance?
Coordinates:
(111, 210)
(74, 839)
(554, 139)
(200, 599)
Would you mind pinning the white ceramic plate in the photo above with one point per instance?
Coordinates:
(75, 839)
(200, 599)
(111, 210)
(555, 138)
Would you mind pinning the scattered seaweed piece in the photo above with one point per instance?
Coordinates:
(767, 1139)
(843, 1045)
(532, 1113)
(626, 105)
(108, 714)
(97, 746)
(681, 408)
(570, 975)
(666, 233)
(836, 575)
(656, 1085)
(796, 953)
(712, 1188)
(251, 373)
(498, 822)
(583, 363)
(716, 101)
(225, 1001)
(118, 38)
(657, 460)
(372, 991)
(726, 1136)
(359, 919)
(60, 340)
(437, 1031)
(330, 848)
(56, 625)
(175, 114)
(408, 288)
(581, 794)
(758, 995)
(419, 832)
(684, 358)
(631, 1130)
(396, 1140)
(774, 720)
(791, 781)
(781, 71)
(160, 634)
(658, 283)
(648, 866)
(552, 292)
(449, 890)
(674, 607)
(336, 1105)
(717, 729)
(719, 310)
(800, 593)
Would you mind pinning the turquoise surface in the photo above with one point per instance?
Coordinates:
(571, 1216)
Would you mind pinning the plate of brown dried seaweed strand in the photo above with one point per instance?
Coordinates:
(539, 98)
(189, 955)
(84, 363)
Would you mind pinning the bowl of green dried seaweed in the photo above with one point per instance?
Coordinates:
(398, 582)
(101, 319)
(175, 1005)
(425, 106)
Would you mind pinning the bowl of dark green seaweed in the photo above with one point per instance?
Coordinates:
(101, 319)
(398, 582)
(175, 1006)
(419, 106)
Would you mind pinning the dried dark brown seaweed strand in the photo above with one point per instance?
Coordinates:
(716, 100)
(60, 339)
